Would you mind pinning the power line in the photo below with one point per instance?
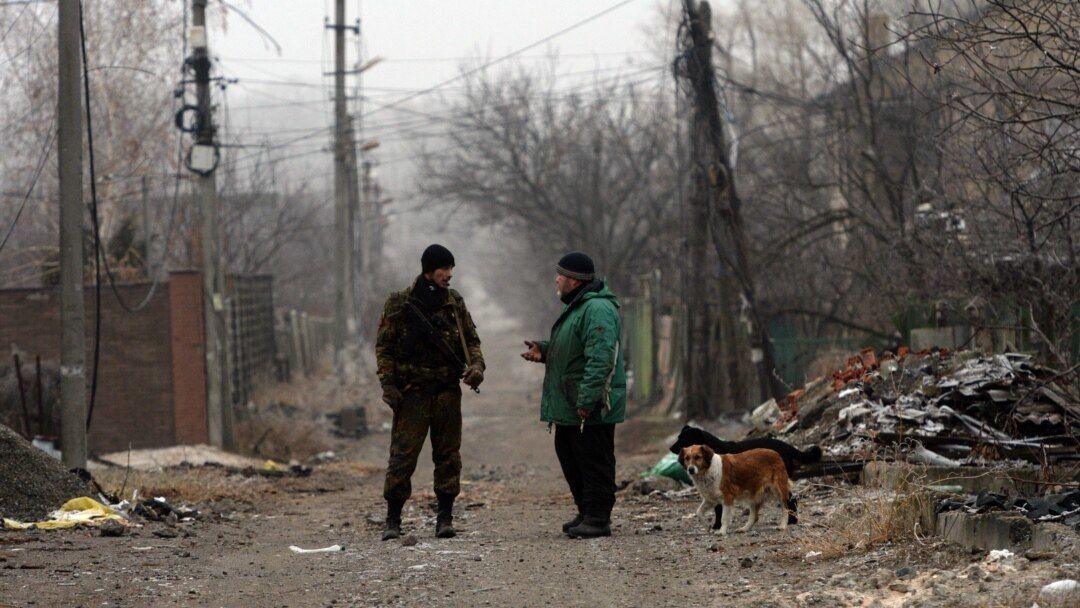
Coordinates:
(97, 228)
(519, 51)
(438, 59)
(33, 182)
(429, 119)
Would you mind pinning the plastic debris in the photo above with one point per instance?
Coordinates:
(270, 465)
(669, 466)
(83, 511)
(330, 549)
(998, 555)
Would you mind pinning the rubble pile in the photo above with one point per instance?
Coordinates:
(32, 483)
(942, 407)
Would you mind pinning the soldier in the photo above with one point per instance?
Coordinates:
(426, 345)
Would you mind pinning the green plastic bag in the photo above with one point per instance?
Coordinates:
(669, 466)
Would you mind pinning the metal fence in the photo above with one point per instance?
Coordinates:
(252, 352)
(302, 340)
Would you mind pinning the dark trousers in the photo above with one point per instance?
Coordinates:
(419, 411)
(587, 458)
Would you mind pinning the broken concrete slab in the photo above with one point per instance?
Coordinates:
(988, 531)
(972, 480)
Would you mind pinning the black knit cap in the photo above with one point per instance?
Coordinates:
(435, 257)
(576, 265)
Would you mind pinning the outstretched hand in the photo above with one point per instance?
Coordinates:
(533, 354)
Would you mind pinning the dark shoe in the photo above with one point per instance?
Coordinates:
(393, 529)
(444, 523)
(393, 520)
(444, 526)
(592, 527)
(573, 522)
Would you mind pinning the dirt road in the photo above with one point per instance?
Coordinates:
(510, 550)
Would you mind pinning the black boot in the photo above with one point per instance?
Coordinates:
(574, 522)
(393, 520)
(444, 522)
(591, 527)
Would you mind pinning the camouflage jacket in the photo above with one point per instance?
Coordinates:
(406, 355)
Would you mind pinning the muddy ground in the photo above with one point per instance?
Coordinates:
(510, 550)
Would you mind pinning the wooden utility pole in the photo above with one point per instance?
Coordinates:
(598, 234)
(698, 278)
(345, 325)
(716, 205)
(203, 161)
(72, 306)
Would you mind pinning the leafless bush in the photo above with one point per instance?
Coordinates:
(861, 519)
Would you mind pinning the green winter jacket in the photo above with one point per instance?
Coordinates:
(583, 361)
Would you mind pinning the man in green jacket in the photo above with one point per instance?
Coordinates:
(584, 391)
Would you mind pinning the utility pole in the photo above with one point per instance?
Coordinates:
(344, 287)
(715, 204)
(203, 161)
(369, 219)
(72, 306)
(596, 213)
(356, 235)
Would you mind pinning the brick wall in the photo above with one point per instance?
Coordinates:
(136, 392)
(188, 358)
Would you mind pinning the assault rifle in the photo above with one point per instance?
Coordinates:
(435, 337)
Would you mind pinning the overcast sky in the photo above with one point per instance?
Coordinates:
(280, 98)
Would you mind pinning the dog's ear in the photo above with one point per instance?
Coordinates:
(682, 457)
(707, 452)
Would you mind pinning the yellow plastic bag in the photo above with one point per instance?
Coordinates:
(270, 465)
(82, 511)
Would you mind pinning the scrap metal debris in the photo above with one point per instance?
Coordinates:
(1062, 508)
(944, 408)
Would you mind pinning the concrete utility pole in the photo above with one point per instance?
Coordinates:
(345, 326)
(203, 161)
(72, 306)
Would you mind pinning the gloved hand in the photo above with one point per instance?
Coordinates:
(473, 376)
(391, 395)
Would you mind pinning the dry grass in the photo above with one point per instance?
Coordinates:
(319, 393)
(863, 518)
(196, 485)
(288, 419)
(272, 434)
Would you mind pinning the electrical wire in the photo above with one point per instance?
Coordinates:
(515, 53)
(100, 257)
(154, 269)
(97, 230)
(45, 152)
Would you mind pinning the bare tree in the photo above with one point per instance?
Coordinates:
(590, 169)
(132, 80)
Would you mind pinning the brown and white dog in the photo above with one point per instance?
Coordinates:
(746, 478)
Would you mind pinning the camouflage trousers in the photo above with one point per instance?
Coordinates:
(419, 411)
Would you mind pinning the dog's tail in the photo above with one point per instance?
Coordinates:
(811, 455)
